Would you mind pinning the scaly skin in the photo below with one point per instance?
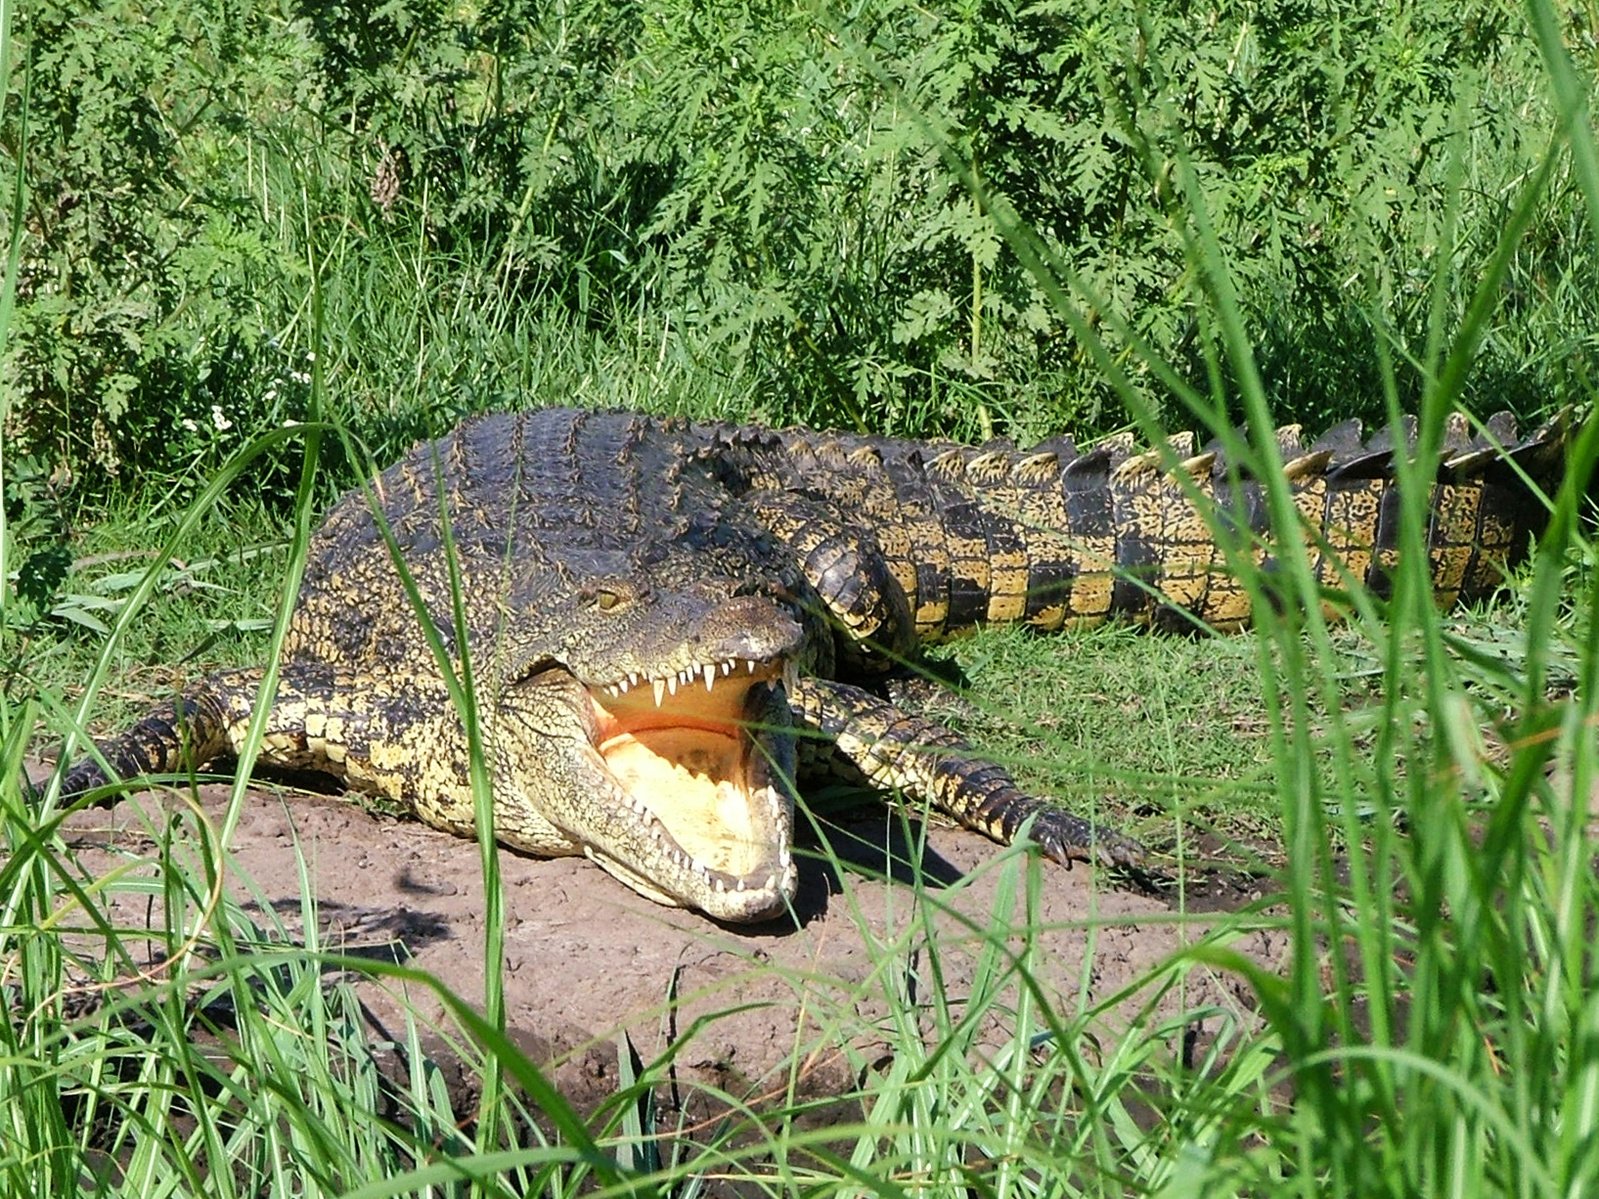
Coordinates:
(1051, 536)
(654, 611)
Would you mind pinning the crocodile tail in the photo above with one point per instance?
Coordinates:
(1483, 502)
(1150, 531)
(1054, 535)
(1157, 527)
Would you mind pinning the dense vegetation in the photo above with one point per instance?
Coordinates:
(228, 219)
(764, 191)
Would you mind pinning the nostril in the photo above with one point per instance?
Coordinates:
(752, 627)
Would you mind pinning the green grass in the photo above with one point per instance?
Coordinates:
(211, 606)
(1423, 777)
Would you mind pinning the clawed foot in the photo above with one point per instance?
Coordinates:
(1065, 838)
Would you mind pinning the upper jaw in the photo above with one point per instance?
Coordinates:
(629, 690)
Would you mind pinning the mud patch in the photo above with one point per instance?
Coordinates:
(586, 959)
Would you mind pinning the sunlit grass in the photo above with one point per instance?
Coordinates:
(1424, 779)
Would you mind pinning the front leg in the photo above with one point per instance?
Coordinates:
(866, 604)
(927, 762)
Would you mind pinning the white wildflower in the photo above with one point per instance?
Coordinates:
(222, 423)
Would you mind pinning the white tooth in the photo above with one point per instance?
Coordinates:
(671, 684)
(740, 885)
(660, 691)
(749, 665)
(719, 885)
(727, 669)
(770, 883)
(710, 676)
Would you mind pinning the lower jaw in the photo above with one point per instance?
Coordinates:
(709, 797)
(716, 895)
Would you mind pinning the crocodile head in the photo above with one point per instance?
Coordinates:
(682, 785)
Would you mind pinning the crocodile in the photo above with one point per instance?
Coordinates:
(665, 622)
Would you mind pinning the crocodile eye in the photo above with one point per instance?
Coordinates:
(606, 600)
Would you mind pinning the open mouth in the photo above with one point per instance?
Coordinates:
(690, 750)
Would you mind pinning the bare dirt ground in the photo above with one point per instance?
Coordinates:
(586, 958)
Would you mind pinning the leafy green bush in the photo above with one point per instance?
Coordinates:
(136, 323)
(809, 218)
(762, 188)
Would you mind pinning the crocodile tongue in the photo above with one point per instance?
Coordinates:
(695, 756)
